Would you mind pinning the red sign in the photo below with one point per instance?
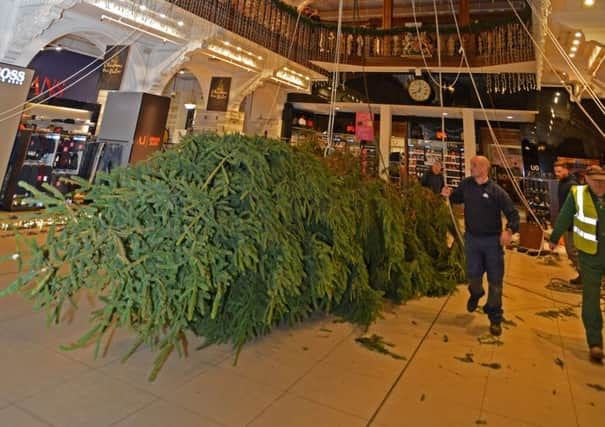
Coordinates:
(55, 87)
(364, 122)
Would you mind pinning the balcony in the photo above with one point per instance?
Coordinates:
(277, 26)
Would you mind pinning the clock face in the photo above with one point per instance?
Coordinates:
(419, 90)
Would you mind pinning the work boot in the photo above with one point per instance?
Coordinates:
(577, 281)
(596, 354)
(472, 303)
(495, 328)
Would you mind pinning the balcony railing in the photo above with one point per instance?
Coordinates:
(278, 27)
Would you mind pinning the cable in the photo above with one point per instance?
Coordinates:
(492, 133)
(61, 83)
(551, 66)
(427, 69)
(19, 113)
(411, 359)
(334, 82)
(274, 103)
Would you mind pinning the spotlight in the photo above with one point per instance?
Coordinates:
(572, 55)
(589, 3)
(578, 35)
(576, 42)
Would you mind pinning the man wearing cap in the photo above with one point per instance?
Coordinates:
(484, 203)
(585, 210)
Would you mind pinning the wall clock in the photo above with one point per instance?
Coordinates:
(419, 90)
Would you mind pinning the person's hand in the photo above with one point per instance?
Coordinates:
(505, 237)
(446, 191)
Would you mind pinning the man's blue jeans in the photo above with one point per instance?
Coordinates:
(484, 254)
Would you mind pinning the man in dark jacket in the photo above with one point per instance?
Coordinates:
(484, 201)
(433, 178)
(566, 181)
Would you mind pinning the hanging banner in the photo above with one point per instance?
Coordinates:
(218, 98)
(113, 69)
(364, 123)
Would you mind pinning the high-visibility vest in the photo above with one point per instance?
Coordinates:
(585, 220)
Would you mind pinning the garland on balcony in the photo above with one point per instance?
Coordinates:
(443, 29)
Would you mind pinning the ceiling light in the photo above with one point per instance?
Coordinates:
(190, 106)
(260, 57)
(556, 100)
(509, 117)
(180, 23)
(558, 93)
(574, 48)
(58, 48)
(576, 42)
(143, 7)
(181, 72)
(578, 34)
(162, 15)
(588, 3)
(572, 55)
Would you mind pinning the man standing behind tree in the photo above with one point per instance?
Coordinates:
(484, 202)
(566, 181)
(433, 178)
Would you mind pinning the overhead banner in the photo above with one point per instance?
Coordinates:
(113, 69)
(218, 98)
(364, 126)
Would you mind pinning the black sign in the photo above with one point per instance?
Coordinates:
(218, 99)
(150, 126)
(113, 69)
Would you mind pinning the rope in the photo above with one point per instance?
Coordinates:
(19, 113)
(332, 112)
(491, 130)
(61, 83)
(553, 69)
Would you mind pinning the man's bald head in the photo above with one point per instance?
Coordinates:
(480, 168)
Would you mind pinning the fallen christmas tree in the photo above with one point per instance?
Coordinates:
(230, 236)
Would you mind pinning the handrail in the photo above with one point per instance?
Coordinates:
(271, 23)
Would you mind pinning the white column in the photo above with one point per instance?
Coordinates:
(470, 139)
(386, 127)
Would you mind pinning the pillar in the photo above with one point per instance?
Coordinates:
(470, 139)
(384, 147)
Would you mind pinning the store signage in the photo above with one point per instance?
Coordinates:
(151, 141)
(113, 69)
(364, 124)
(12, 76)
(46, 85)
(218, 99)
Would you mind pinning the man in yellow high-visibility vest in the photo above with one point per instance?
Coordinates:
(584, 208)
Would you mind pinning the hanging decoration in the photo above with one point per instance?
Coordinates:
(507, 83)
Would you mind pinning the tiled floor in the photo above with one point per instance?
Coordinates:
(315, 374)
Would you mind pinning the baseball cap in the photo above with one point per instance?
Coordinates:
(596, 172)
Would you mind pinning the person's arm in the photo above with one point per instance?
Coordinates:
(564, 220)
(510, 212)
(457, 195)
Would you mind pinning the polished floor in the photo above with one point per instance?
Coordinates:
(451, 372)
